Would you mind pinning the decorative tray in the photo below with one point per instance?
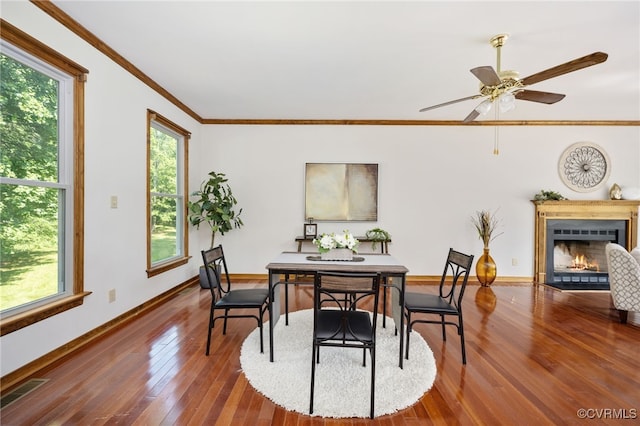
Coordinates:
(319, 258)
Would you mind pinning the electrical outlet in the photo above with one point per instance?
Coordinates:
(514, 262)
(112, 295)
(114, 201)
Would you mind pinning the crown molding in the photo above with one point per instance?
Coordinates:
(383, 122)
(59, 15)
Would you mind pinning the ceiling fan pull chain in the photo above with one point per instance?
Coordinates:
(496, 140)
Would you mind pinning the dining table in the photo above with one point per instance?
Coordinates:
(293, 264)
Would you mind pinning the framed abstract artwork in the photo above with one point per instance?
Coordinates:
(341, 191)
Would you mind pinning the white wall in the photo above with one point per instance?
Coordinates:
(432, 179)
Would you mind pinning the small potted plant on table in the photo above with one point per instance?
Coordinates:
(378, 236)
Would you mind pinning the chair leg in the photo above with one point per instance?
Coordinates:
(444, 332)
(313, 376)
(623, 316)
(373, 379)
(209, 333)
(406, 354)
(461, 332)
(224, 329)
(208, 342)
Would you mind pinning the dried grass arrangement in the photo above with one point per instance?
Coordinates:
(486, 224)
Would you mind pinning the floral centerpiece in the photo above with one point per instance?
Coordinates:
(337, 246)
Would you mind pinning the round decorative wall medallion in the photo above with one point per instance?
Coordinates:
(584, 167)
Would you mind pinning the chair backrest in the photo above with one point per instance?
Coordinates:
(455, 276)
(346, 291)
(624, 277)
(216, 269)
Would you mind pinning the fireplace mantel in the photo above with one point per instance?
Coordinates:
(626, 210)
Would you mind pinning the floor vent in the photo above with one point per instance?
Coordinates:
(21, 391)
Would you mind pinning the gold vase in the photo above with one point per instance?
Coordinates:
(486, 270)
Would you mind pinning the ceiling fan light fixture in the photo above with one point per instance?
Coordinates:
(484, 107)
(503, 86)
(507, 102)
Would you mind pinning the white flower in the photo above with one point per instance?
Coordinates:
(341, 241)
(327, 242)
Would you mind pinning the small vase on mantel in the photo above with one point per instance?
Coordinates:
(486, 270)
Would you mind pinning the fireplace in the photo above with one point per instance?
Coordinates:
(575, 251)
(570, 237)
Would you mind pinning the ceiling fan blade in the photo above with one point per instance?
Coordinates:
(487, 75)
(449, 103)
(472, 116)
(567, 67)
(542, 97)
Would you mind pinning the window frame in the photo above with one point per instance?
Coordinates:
(182, 162)
(75, 289)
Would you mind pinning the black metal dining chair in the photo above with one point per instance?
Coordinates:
(448, 301)
(337, 322)
(226, 299)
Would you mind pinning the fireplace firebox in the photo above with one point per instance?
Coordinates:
(570, 236)
(575, 251)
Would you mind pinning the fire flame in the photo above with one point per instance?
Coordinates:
(581, 263)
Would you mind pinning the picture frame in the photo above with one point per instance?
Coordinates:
(310, 230)
(341, 192)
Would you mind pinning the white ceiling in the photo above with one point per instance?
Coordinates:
(371, 60)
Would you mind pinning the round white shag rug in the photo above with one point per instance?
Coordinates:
(342, 386)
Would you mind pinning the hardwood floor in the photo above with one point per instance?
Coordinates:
(534, 356)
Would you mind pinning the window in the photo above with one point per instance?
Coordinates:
(166, 201)
(41, 184)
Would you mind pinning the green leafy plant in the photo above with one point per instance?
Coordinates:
(215, 206)
(486, 223)
(548, 195)
(377, 235)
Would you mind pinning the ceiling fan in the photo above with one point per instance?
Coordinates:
(504, 87)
